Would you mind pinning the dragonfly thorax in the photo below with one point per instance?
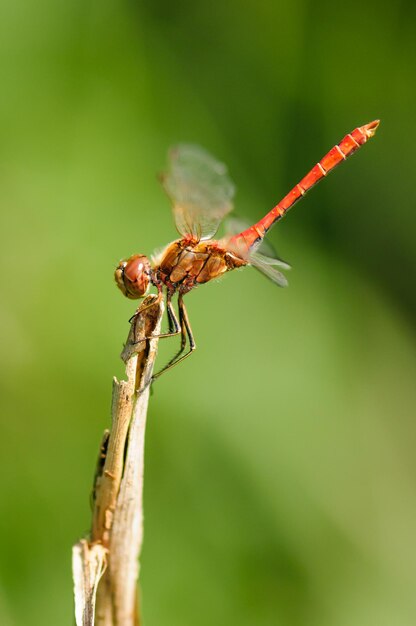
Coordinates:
(187, 263)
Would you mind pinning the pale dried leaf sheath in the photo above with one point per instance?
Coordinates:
(88, 565)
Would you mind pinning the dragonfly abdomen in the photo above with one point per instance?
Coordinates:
(351, 142)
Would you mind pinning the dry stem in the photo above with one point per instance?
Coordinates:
(105, 567)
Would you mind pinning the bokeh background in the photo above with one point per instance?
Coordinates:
(280, 475)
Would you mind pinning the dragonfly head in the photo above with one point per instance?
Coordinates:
(133, 276)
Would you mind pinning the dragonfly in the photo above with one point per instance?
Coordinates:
(201, 194)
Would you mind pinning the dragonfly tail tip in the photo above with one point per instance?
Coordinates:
(370, 129)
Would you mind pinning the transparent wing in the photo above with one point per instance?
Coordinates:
(199, 188)
(268, 270)
(268, 260)
(264, 253)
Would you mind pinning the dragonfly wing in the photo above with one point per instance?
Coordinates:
(263, 251)
(268, 260)
(199, 188)
(268, 270)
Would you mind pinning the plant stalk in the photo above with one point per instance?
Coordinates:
(106, 564)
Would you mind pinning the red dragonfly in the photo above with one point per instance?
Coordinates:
(201, 194)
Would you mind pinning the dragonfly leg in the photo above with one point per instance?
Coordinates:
(183, 343)
(186, 331)
(174, 326)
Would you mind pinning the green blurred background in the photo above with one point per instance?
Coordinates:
(280, 474)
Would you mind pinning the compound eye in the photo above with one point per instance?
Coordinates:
(133, 276)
